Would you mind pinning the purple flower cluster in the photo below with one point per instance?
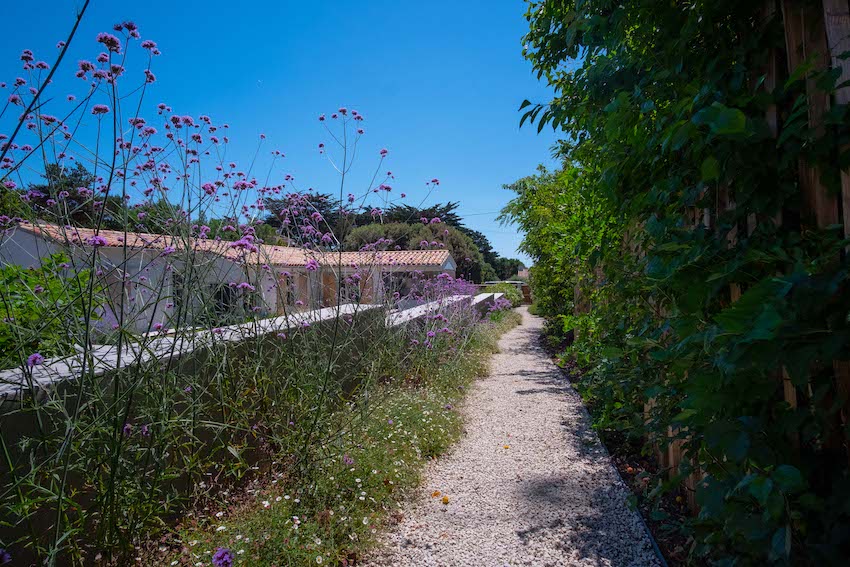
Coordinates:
(109, 41)
(222, 557)
(96, 241)
(500, 304)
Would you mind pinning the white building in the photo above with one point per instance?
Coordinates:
(156, 282)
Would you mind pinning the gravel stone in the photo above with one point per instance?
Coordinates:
(550, 498)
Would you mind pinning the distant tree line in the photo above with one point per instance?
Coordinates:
(410, 228)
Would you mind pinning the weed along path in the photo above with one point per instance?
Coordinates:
(529, 483)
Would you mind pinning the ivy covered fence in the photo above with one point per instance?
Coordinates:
(694, 244)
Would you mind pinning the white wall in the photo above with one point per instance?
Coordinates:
(148, 294)
(23, 248)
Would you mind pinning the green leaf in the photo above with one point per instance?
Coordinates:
(681, 135)
(766, 325)
(740, 316)
(684, 415)
(611, 352)
(788, 478)
(760, 488)
(710, 169)
(780, 543)
(523, 119)
(738, 446)
(721, 119)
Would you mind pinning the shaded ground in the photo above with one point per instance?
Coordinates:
(529, 484)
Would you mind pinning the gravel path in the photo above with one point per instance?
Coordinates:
(529, 484)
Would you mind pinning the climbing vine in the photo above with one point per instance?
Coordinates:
(693, 239)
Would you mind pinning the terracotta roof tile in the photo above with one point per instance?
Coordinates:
(393, 258)
(266, 254)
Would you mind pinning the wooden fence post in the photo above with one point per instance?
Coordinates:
(836, 15)
(806, 31)
(805, 37)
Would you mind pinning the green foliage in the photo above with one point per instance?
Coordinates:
(470, 263)
(402, 224)
(664, 106)
(324, 204)
(512, 294)
(83, 209)
(506, 268)
(408, 214)
(398, 233)
(566, 225)
(41, 307)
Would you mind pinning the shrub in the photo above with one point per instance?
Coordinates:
(42, 309)
(512, 294)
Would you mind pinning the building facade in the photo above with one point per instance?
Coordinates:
(153, 282)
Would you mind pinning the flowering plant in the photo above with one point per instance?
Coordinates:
(200, 354)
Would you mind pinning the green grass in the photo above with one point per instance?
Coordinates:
(331, 514)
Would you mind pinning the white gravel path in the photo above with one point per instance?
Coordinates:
(551, 498)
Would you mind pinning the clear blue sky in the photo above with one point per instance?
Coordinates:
(439, 82)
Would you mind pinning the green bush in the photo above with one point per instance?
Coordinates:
(40, 309)
(512, 294)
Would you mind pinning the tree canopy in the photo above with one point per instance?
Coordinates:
(352, 226)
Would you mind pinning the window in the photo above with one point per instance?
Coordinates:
(350, 292)
(286, 291)
(397, 282)
(225, 300)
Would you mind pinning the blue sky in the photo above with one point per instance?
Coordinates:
(439, 83)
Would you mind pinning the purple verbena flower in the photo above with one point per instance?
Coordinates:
(97, 240)
(111, 42)
(222, 557)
